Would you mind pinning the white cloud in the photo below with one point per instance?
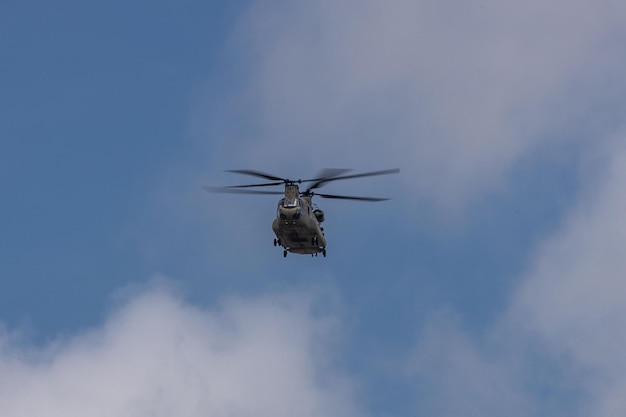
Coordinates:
(574, 298)
(458, 376)
(559, 347)
(456, 93)
(159, 356)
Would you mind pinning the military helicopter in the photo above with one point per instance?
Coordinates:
(297, 225)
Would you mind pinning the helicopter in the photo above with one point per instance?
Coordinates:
(297, 225)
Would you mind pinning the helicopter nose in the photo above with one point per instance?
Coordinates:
(289, 213)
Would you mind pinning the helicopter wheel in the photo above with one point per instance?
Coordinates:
(275, 242)
(324, 252)
(284, 254)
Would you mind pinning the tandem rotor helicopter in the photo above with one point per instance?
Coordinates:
(298, 220)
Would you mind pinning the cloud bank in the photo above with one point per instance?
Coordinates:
(456, 93)
(159, 356)
(573, 300)
(459, 95)
(558, 350)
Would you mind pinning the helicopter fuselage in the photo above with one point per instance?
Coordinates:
(297, 224)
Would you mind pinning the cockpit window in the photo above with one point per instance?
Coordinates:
(290, 202)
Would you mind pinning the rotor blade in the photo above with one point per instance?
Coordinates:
(333, 172)
(267, 184)
(365, 174)
(227, 190)
(324, 177)
(322, 181)
(346, 197)
(328, 173)
(257, 174)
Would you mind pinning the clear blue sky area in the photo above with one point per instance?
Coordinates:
(95, 100)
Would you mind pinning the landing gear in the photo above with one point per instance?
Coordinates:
(324, 253)
(277, 242)
(284, 253)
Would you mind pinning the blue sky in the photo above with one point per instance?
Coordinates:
(491, 283)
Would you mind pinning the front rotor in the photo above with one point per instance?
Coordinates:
(326, 176)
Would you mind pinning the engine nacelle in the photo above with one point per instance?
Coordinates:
(319, 215)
